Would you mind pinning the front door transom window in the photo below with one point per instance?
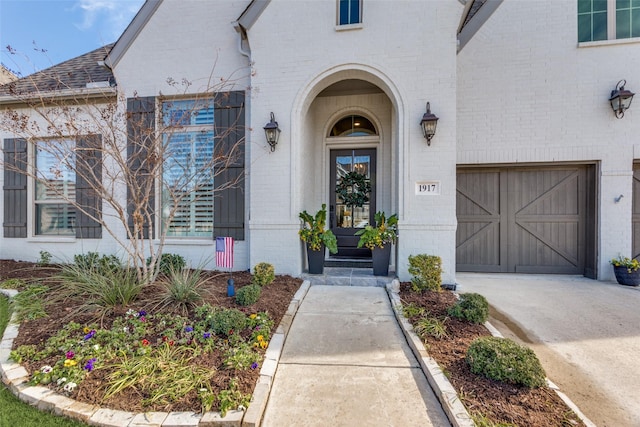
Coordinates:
(353, 126)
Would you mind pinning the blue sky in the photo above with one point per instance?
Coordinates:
(46, 32)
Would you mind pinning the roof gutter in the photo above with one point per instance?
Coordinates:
(60, 95)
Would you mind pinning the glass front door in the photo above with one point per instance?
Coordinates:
(352, 202)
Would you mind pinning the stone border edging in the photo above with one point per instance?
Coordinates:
(16, 378)
(447, 395)
(455, 410)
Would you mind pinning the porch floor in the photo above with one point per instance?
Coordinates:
(348, 276)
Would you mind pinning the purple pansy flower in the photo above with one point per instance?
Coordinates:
(142, 313)
(89, 365)
(206, 335)
(90, 335)
(70, 354)
(188, 329)
(254, 365)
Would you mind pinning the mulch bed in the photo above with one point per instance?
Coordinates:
(274, 300)
(497, 401)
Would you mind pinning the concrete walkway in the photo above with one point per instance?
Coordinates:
(586, 333)
(345, 362)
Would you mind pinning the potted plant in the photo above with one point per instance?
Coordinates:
(379, 238)
(627, 270)
(313, 233)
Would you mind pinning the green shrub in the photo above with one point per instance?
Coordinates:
(12, 284)
(263, 274)
(45, 258)
(29, 303)
(412, 310)
(471, 307)
(248, 295)
(504, 360)
(426, 271)
(183, 288)
(226, 320)
(170, 263)
(93, 261)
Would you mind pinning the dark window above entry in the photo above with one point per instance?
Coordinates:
(353, 126)
(349, 12)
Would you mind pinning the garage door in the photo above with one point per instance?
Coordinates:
(526, 220)
(636, 211)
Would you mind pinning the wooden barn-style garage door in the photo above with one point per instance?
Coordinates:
(526, 220)
(636, 211)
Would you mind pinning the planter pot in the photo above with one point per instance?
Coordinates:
(315, 260)
(380, 258)
(624, 277)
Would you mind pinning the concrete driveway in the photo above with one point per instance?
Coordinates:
(586, 333)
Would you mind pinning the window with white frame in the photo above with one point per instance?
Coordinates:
(187, 177)
(349, 12)
(55, 187)
(608, 19)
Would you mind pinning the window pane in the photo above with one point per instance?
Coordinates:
(344, 12)
(635, 22)
(622, 4)
(599, 5)
(355, 11)
(584, 6)
(599, 26)
(188, 184)
(584, 28)
(623, 24)
(188, 112)
(55, 219)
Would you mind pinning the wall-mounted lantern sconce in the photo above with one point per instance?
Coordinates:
(428, 123)
(620, 99)
(272, 132)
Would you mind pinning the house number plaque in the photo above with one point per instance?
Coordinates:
(428, 188)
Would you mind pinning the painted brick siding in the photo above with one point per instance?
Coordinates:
(407, 48)
(527, 93)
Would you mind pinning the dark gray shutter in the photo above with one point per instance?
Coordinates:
(15, 188)
(228, 211)
(88, 179)
(141, 161)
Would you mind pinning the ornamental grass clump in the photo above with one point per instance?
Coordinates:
(181, 289)
(426, 271)
(263, 274)
(29, 304)
(504, 360)
(471, 307)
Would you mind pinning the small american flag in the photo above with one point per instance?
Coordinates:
(224, 252)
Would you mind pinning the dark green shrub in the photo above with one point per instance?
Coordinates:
(226, 321)
(426, 271)
(263, 274)
(471, 307)
(92, 261)
(504, 360)
(248, 295)
(169, 263)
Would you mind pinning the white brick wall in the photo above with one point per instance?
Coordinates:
(528, 94)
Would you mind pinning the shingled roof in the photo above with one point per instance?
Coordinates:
(75, 73)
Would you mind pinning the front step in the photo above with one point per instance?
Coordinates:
(348, 262)
(345, 276)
